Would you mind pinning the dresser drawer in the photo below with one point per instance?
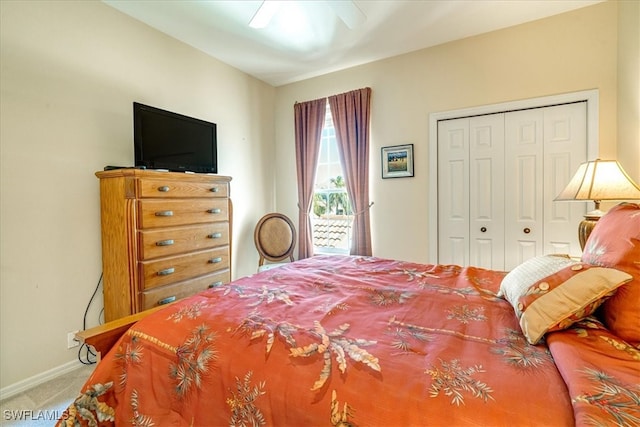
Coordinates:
(168, 188)
(173, 269)
(170, 212)
(167, 294)
(171, 241)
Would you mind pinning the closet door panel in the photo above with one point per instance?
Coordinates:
(453, 192)
(523, 186)
(565, 130)
(526, 188)
(559, 234)
(486, 191)
(526, 249)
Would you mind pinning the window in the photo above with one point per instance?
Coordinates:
(331, 216)
(352, 121)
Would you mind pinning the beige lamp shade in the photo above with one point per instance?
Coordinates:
(598, 180)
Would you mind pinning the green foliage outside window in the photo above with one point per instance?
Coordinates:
(332, 202)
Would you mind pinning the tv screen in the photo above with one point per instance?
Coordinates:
(166, 140)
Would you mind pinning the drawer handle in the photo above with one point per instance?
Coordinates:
(215, 260)
(214, 211)
(166, 271)
(163, 189)
(215, 190)
(215, 284)
(168, 242)
(215, 235)
(167, 300)
(164, 213)
(527, 230)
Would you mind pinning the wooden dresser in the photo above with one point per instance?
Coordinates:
(165, 236)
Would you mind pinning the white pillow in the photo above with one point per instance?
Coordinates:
(529, 272)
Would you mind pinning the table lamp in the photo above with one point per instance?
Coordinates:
(598, 180)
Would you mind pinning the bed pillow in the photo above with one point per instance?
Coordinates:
(551, 292)
(520, 279)
(615, 243)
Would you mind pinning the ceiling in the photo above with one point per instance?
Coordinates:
(309, 38)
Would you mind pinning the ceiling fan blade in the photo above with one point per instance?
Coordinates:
(348, 12)
(265, 13)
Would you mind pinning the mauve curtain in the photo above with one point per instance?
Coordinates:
(309, 120)
(351, 115)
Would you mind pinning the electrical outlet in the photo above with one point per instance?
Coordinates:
(71, 340)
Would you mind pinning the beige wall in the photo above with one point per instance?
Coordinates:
(628, 134)
(570, 52)
(70, 72)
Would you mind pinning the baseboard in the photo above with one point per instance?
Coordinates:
(17, 388)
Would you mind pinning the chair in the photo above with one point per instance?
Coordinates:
(275, 239)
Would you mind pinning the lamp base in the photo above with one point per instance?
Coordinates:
(586, 226)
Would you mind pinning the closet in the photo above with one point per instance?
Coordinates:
(497, 176)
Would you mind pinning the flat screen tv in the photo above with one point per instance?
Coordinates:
(172, 141)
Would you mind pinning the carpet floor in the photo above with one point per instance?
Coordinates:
(42, 405)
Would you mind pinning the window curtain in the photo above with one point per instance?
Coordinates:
(351, 117)
(309, 120)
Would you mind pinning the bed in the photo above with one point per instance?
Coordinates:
(345, 341)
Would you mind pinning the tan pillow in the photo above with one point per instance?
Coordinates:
(550, 293)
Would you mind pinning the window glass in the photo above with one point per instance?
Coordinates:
(331, 214)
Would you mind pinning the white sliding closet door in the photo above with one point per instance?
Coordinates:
(565, 133)
(486, 191)
(545, 148)
(524, 228)
(471, 188)
(453, 181)
(497, 177)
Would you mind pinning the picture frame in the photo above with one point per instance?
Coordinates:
(397, 161)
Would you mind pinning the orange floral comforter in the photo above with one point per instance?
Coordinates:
(602, 373)
(332, 341)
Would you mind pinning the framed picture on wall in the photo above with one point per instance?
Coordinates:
(397, 161)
